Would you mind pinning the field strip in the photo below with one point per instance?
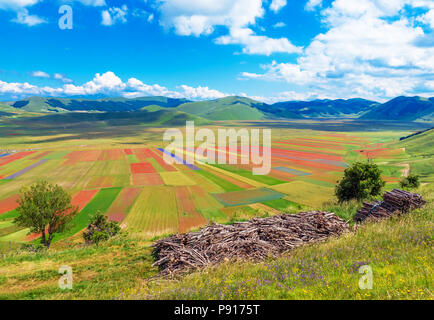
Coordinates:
(235, 176)
(8, 204)
(150, 216)
(14, 156)
(123, 203)
(176, 179)
(245, 197)
(263, 207)
(180, 160)
(23, 171)
(305, 193)
(101, 202)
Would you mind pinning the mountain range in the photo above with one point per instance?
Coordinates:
(234, 108)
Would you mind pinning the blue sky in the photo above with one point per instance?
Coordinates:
(270, 50)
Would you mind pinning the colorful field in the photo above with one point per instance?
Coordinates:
(133, 184)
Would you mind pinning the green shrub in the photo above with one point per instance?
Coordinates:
(100, 229)
(410, 182)
(360, 181)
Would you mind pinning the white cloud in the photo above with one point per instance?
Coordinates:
(201, 93)
(254, 44)
(313, 4)
(93, 3)
(279, 25)
(114, 15)
(61, 77)
(23, 17)
(197, 18)
(107, 84)
(17, 4)
(40, 74)
(362, 54)
(427, 18)
(276, 5)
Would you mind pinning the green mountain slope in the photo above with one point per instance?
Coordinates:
(421, 144)
(324, 108)
(403, 109)
(40, 104)
(166, 117)
(421, 150)
(228, 108)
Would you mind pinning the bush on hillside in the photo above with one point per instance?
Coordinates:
(360, 181)
(410, 182)
(100, 229)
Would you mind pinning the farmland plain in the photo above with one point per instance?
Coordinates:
(125, 175)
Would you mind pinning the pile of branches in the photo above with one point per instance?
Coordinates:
(394, 202)
(255, 239)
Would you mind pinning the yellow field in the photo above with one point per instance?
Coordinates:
(176, 179)
(305, 193)
(154, 212)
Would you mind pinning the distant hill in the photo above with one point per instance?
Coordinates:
(39, 104)
(403, 109)
(166, 117)
(228, 108)
(324, 108)
(420, 144)
(238, 108)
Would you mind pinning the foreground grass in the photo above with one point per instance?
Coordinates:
(398, 250)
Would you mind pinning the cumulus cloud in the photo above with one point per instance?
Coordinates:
(276, 5)
(197, 18)
(427, 18)
(113, 15)
(40, 74)
(23, 17)
(17, 4)
(363, 53)
(313, 4)
(109, 84)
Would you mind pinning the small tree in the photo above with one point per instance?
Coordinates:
(45, 208)
(360, 181)
(410, 182)
(100, 229)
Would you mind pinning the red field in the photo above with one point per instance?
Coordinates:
(8, 204)
(157, 155)
(312, 145)
(119, 209)
(142, 168)
(188, 217)
(128, 151)
(114, 154)
(78, 156)
(82, 198)
(147, 179)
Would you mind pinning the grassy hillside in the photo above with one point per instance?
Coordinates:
(324, 108)
(164, 117)
(404, 109)
(229, 108)
(420, 149)
(399, 252)
(40, 104)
